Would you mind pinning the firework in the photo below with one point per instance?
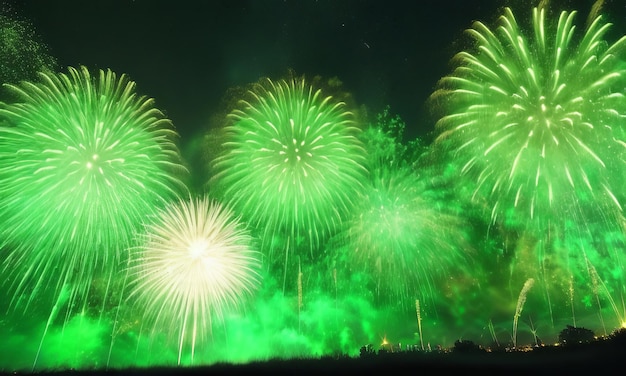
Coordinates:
(292, 160)
(195, 262)
(533, 123)
(402, 237)
(520, 306)
(84, 160)
(533, 119)
(402, 234)
(23, 54)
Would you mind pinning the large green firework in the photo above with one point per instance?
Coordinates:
(292, 160)
(533, 119)
(83, 160)
(195, 262)
(534, 123)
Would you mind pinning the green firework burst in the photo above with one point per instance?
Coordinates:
(84, 160)
(195, 262)
(533, 119)
(402, 237)
(292, 160)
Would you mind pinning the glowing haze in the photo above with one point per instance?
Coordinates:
(322, 227)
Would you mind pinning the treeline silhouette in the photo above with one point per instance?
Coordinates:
(578, 350)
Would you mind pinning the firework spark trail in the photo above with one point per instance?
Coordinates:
(196, 263)
(61, 300)
(84, 159)
(419, 322)
(521, 300)
(299, 296)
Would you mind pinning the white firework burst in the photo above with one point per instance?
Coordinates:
(196, 262)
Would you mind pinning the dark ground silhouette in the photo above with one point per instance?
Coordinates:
(598, 355)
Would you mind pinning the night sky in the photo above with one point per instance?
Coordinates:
(187, 53)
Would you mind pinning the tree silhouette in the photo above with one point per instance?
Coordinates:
(572, 335)
(466, 346)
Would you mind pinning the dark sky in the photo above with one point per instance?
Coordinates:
(187, 53)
